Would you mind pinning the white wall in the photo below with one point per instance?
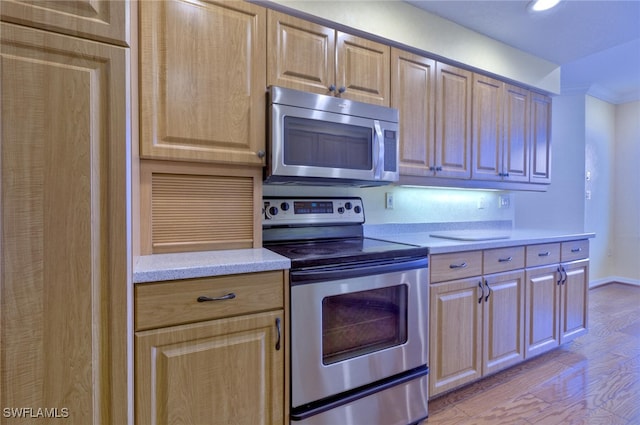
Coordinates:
(405, 24)
(561, 207)
(600, 133)
(626, 209)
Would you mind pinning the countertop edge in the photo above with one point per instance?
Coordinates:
(189, 265)
(516, 238)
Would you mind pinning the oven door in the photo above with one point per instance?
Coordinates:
(352, 331)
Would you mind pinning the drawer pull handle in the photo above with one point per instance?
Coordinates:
(576, 249)
(202, 298)
(278, 330)
(544, 254)
(505, 260)
(458, 266)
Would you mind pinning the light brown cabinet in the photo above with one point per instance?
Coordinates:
(100, 20)
(500, 131)
(540, 168)
(434, 103)
(65, 233)
(202, 81)
(494, 308)
(211, 350)
(476, 323)
(311, 57)
(453, 122)
(413, 93)
(557, 294)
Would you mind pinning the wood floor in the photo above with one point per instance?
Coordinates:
(593, 380)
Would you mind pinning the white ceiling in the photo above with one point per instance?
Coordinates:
(596, 42)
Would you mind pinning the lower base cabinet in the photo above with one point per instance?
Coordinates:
(211, 351)
(557, 305)
(222, 372)
(493, 309)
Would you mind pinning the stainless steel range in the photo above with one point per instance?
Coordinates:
(359, 309)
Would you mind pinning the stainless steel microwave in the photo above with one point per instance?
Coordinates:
(326, 140)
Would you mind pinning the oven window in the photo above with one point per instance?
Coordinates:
(327, 144)
(359, 323)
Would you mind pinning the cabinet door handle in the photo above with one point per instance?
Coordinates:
(486, 282)
(505, 260)
(481, 291)
(576, 249)
(560, 273)
(230, 296)
(332, 88)
(544, 254)
(278, 332)
(458, 266)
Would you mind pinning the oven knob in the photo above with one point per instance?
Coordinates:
(284, 206)
(348, 205)
(357, 209)
(273, 211)
(340, 210)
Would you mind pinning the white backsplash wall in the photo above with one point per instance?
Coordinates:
(414, 204)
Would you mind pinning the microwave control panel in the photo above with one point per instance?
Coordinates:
(311, 211)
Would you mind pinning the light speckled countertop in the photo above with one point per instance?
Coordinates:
(187, 265)
(160, 267)
(506, 238)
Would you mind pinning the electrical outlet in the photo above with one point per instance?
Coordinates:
(504, 201)
(388, 200)
(481, 203)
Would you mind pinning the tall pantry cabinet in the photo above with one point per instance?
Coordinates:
(64, 275)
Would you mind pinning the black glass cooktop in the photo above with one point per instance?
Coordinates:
(330, 252)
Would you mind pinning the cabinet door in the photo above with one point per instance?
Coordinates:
(574, 300)
(540, 138)
(503, 321)
(516, 134)
(455, 334)
(362, 69)
(64, 146)
(302, 54)
(542, 310)
(413, 94)
(221, 372)
(193, 105)
(453, 122)
(487, 128)
(100, 20)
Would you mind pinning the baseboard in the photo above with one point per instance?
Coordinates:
(612, 279)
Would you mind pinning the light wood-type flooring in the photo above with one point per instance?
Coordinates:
(593, 380)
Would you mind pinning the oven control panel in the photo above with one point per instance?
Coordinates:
(312, 211)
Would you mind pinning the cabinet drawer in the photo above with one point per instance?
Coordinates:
(574, 250)
(455, 265)
(503, 259)
(176, 302)
(541, 254)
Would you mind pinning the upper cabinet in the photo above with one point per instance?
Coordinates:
(413, 88)
(540, 138)
(101, 20)
(453, 122)
(202, 81)
(314, 58)
(500, 130)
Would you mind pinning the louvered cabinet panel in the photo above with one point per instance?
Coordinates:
(196, 207)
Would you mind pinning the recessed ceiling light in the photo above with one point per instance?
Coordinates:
(541, 5)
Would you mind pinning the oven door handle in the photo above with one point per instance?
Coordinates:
(341, 272)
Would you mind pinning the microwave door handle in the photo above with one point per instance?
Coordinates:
(379, 147)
